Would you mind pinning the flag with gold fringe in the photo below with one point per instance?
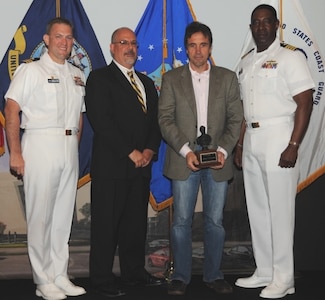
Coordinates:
(295, 32)
(160, 34)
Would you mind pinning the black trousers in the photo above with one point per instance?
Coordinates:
(119, 212)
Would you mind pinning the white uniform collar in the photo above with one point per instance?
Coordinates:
(46, 58)
(274, 46)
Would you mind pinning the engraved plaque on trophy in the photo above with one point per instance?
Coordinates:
(206, 157)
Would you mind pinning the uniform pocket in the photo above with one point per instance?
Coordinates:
(267, 80)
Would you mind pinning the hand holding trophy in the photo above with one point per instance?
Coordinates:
(206, 157)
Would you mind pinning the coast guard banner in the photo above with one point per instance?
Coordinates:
(27, 44)
(160, 34)
(294, 30)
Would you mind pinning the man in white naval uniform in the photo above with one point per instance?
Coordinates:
(276, 89)
(49, 94)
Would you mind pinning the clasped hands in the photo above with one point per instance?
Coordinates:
(141, 159)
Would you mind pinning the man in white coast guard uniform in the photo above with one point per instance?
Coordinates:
(276, 89)
(50, 95)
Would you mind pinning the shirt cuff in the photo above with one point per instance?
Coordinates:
(225, 153)
(185, 150)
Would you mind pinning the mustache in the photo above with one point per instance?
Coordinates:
(130, 52)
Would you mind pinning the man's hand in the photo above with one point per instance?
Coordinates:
(192, 161)
(147, 157)
(289, 157)
(238, 155)
(137, 157)
(141, 159)
(221, 161)
(16, 161)
(17, 164)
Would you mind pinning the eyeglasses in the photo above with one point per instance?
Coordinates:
(127, 43)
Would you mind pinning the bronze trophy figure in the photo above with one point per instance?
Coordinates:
(206, 157)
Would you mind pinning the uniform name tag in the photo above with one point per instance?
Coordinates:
(53, 80)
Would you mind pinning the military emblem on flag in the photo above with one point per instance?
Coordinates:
(27, 44)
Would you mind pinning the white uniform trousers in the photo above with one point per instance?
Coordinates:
(270, 196)
(50, 184)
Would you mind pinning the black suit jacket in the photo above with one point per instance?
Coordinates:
(119, 124)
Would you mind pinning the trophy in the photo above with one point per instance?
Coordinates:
(206, 157)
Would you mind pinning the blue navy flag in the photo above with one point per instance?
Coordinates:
(27, 44)
(160, 34)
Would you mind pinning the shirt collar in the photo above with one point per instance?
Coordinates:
(204, 74)
(123, 69)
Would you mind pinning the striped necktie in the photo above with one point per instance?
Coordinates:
(136, 88)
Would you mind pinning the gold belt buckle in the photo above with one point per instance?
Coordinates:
(255, 125)
(68, 132)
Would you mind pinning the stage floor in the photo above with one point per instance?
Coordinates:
(308, 286)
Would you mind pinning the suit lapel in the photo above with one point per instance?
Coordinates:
(121, 77)
(214, 90)
(188, 90)
(126, 86)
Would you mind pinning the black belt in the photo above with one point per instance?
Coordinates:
(52, 131)
(255, 125)
(269, 122)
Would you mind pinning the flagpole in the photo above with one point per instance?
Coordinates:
(165, 49)
(57, 8)
(170, 269)
(191, 10)
(281, 19)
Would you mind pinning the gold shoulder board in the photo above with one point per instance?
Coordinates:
(28, 60)
(293, 48)
(247, 53)
(288, 46)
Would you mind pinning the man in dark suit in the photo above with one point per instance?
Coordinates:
(195, 95)
(123, 114)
